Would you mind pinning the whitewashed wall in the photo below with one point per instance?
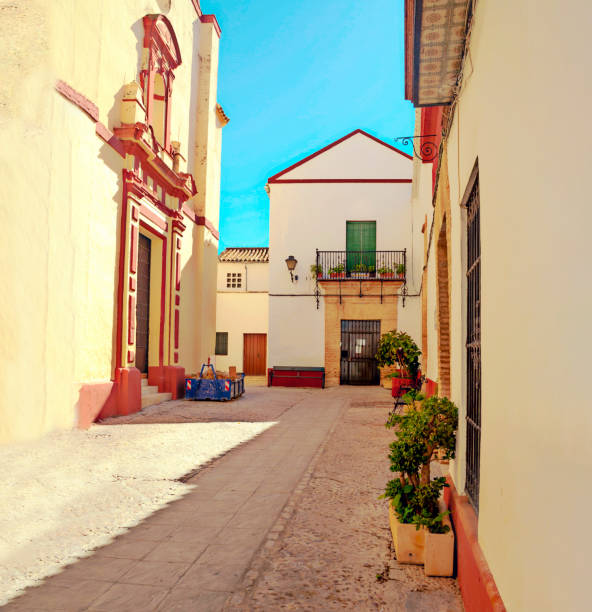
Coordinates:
(523, 112)
(241, 311)
(309, 216)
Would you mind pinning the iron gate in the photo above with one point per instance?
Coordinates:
(359, 344)
(473, 345)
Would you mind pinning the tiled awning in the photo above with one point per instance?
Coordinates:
(245, 255)
(434, 43)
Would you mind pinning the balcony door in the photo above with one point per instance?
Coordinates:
(360, 241)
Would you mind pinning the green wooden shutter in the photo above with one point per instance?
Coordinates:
(360, 236)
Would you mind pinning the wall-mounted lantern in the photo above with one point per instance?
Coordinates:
(291, 263)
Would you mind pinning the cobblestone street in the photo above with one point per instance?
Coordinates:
(289, 520)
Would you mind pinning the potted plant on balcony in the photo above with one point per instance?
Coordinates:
(386, 272)
(337, 271)
(316, 270)
(419, 520)
(401, 271)
(359, 271)
(399, 348)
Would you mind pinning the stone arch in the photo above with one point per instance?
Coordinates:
(443, 311)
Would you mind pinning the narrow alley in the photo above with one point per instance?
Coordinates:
(288, 520)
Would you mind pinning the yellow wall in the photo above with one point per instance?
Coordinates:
(522, 112)
(61, 196)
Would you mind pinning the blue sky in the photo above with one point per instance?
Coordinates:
(293, 77)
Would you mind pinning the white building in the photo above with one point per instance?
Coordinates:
(242, 311)
(350, 201)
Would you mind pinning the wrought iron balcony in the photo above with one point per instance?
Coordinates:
(360, 265)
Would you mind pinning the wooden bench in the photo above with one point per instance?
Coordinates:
(294, 376)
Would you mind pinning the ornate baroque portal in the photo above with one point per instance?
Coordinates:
(154, 192)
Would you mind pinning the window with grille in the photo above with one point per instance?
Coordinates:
(234, 280)
(473, 344)
(221, 343)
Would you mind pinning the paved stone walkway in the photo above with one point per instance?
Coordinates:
(235, 541)
(192, 554)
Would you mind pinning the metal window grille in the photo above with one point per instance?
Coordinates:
(234, 280)
(221, 343)
(473, 345)
(359, 345)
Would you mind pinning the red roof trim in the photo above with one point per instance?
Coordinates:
(276, 181)
(212, 19)
(198, 220)
(197, 7)
(272, 179)
(83, 103)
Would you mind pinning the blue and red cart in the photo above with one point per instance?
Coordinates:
(215, 389)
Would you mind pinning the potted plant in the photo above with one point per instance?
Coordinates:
(337, 271)
(386, 272)
(359, 271)
(419, 522)
(401, 271)
(371, 271)
(399, 348)
(316, 270)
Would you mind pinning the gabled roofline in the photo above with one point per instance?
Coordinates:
(273, 179)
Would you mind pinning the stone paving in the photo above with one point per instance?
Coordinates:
(289, 520)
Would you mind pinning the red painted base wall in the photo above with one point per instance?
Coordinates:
(101, 400)
(168, 379)
(94, 399)
(477, 586)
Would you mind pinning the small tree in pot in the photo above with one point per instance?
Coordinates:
(399, 348)
(427, 426)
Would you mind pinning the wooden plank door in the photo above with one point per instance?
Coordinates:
(143, 304)
(254, 354)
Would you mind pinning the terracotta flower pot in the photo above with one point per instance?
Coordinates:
(337, 275)
(399, 386)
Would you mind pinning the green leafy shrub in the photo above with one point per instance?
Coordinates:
(399, 348)
(316, 270)
(429, 425)
(401, 269)
(385, 270)
(337, 269)
(360, 268)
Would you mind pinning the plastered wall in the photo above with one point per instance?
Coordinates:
(305, 217)
(520, 113)
(61, 202)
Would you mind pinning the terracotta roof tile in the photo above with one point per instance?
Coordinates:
(245, 254)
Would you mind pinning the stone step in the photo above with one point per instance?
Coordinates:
(155, 398)
(149, 389)
(144, 382)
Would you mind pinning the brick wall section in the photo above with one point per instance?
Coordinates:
(353, 307)
(442, 251)
(424, 300)
(443, 312)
